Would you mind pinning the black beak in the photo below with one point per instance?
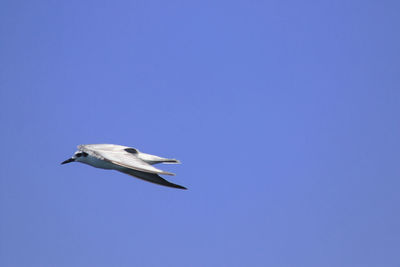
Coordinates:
(68, 161)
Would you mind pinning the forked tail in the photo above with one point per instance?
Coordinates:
(170, 161)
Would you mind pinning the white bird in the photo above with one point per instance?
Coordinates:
(124, 159)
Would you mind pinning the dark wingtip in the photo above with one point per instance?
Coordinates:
(176, 186)
(182, 187)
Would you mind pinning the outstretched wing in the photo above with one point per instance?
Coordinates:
(121, 156)
(151, 177)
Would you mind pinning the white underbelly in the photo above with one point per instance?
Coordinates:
(97, 163)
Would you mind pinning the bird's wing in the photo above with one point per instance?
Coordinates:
(103, 147)
(121, 156)
(151, 177)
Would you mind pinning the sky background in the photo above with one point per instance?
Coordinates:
(285, 115)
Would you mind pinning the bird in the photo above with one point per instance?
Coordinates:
(124, 159)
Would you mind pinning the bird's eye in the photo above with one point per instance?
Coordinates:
(78, 154)
(84, 154)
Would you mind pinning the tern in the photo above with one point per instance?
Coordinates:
(124, 159)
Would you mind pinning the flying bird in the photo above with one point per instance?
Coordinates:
(124, 159)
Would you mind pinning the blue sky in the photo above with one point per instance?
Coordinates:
(285, 115)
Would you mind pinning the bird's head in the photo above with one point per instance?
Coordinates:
(78, 156)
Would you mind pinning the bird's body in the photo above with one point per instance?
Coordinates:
(124, 159)
(97, 163)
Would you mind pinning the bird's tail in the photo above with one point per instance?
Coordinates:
(170, 161)
(151, 159)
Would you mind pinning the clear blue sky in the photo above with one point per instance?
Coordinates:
(285, 115)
